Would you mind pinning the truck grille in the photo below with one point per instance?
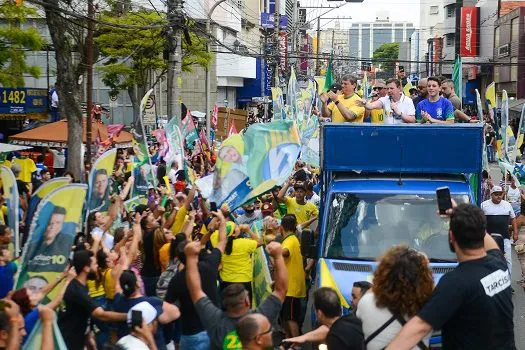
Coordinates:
(442, 270)
(352, 267)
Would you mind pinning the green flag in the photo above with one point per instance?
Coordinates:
(457, 76)
(329, 79)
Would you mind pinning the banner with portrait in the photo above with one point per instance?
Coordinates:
(176, 144)
(99, 177)
(45, 189)
(12, 203)
(253, 163)
(51, 235)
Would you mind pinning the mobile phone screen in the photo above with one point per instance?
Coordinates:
(213, 206)
(444, 200)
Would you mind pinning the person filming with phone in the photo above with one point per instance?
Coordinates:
(472, 304)
(142, 320)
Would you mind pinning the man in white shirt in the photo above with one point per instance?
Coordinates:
(499, 215)
(398, 107)
(141, 337)
(54, 104)
(59, 161)
(172, 174)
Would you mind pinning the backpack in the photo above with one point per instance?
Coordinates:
(165, 278)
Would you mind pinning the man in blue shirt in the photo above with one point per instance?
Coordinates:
(435, 109)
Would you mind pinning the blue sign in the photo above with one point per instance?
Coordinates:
(268, 20)
(23, 102)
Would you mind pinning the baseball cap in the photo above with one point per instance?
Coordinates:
(496, 189)
(149, 313)
(267, 208)
(300, 184)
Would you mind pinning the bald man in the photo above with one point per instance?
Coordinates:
(255, 332)
(422, 89)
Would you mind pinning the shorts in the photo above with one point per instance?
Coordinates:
(292, 310)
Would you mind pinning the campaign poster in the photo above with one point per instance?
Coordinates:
(12, 203)
(98, 197)
(51, 235)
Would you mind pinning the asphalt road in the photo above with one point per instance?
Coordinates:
(519, 295)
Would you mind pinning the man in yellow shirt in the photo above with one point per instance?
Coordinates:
(304, 211)
(344, 107)
(293, 259)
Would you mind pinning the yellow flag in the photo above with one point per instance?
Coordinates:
(327, 280)
(406, 89)
(490, 94)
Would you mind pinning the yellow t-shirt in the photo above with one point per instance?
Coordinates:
(303, 212)
(27, 166)
(294, 265)
(94, 290)
(350, 103)
(180, 218)
(377, 116)
(164, 256)
(6, 163)
(238, 266)
(3, 214)
(109, 284)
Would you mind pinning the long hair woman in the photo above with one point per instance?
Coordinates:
(402, 284)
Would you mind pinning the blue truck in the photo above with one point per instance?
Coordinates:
(379, 189)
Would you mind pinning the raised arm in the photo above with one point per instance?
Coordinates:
(187, 228)
(125, 191)
(282, 193)
(114, 209)
(221, 244)
(280, 274)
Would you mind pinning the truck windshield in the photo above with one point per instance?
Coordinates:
(363, 226)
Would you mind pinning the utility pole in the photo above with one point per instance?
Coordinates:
(89, 94)
(277, 28)
(175, 59)
(457, 42)
(295, 31)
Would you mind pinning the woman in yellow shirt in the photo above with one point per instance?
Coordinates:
(237, 265)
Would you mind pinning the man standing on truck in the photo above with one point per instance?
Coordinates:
(397, 107)
(472, 304)
(344, 106)
(435, 109)
(304, 211)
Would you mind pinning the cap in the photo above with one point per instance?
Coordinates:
(380, 83)
(401, 68)
(267, 208)
(496, 189)
(149, 313)
(336, 87)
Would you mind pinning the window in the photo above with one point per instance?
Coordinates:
(450, 39)
(496, 37)
(451, 11)
(434, 10)
(514, 69)
(515, 27)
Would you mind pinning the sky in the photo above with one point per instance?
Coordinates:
(399, 10)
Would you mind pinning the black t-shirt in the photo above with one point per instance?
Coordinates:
(472, 305)
(149, 269)
(489, 136)
(346, 334)
(73, 321)
(178, 291)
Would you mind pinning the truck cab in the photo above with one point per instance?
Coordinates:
(379, 189)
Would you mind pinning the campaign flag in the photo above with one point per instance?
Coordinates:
(51, 237)
(329, 78)
(480, 113)
(188, 130)
(294, 94)
(99, 177)
(204, 141)
(113, 131)
(160, 136)
(140, 143)
(519, 136)
(176, 144)
(12, 203)
(34, 340)
(490, 95)
(40, 193)
(310, 151)
(130, 204)
(504, 136)
(262, 280)
(457, 76)
(143, 178)
(251, 164)
(279, 111)
(215, 116)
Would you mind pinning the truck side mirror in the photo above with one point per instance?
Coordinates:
(308, 244)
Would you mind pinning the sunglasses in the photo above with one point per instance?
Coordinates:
(270, 330)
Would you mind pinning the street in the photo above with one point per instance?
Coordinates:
(519, 296)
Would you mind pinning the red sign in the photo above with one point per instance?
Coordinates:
(469, 31)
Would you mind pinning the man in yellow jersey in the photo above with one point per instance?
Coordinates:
(377, 116)
(304, 211)
(344, 107)
(293, 259)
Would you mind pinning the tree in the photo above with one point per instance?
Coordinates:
(387, 52)
(68, 36)
(132, 56)
(14, 42)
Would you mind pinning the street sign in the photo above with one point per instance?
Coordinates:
(24, 102)
(150, 115)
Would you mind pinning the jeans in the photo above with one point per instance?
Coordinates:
(490, 153)
(508, 253)
(197, 341)
(100, 328)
